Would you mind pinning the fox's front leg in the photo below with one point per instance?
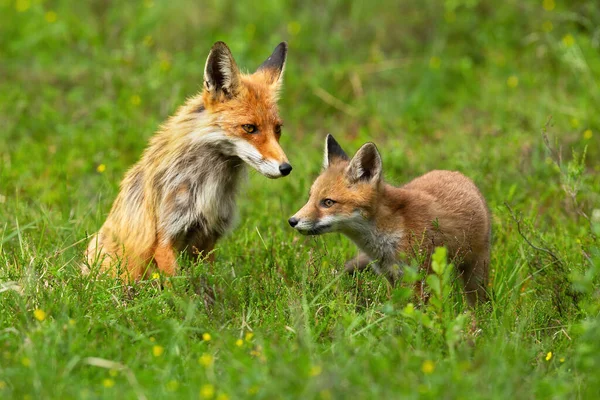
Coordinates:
(358, 263)
(165, 257)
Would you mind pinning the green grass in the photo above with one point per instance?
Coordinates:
(466, 85)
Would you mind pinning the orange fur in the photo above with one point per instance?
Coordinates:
(181, 195)
(392, 225)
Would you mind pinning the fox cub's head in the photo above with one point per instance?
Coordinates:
(344, 196)
(244, 107)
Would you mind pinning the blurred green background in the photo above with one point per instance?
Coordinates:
(437, 84)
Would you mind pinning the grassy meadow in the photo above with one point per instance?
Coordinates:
(505, 92)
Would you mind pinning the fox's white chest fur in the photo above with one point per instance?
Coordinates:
(199, 192)
(381, 247)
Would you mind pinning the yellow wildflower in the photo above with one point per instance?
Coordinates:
(562, 360)
(512, 81)
(568, 40)
(206, 337)
(435, 62)
(207, 391)
(574, 122)
(136, 100)
(155, 275)
(316, 370)
(249, 336)
(50, 17)
(547, 26)
(206, 360)
(22, 5)
(587, 135)
(239, 342)
(548, 5)
(256, 352)
(108, 383)
(294, 28)
(428, 367)
(72, 322)
(165, 64)
(40, 315)
(25, 361)
(549, 356)
(222, 396)
(101, 168)
(157, 350)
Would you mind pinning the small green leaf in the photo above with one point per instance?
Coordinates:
(439, 260)
(434, 283)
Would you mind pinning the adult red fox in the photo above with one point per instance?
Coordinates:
(181, 195)
(394, 224)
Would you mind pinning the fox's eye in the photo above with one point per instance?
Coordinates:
(326, 203)
(278, 129)
(249, 128)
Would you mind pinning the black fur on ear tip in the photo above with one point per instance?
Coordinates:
(282, 48)
(277, 59)
(334, 149)
(220, 46)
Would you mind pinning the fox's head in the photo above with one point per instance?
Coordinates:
(244, 108)
(343, 198)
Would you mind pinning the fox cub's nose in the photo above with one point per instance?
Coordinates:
(293, 221)
(285, 169)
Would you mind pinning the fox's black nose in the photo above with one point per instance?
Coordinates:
(285, 169)
(293, 221)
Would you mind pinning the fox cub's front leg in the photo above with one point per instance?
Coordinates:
(358, 263)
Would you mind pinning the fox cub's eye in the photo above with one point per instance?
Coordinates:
(278, 129)
(327, 203)
(249, 128)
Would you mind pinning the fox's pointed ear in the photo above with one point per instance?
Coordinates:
(221, 74)
(333, 151)
(274, 65)
(366, 165)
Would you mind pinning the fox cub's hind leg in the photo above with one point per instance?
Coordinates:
(474, 274)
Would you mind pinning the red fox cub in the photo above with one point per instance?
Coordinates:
(180, 197)
(392, 225)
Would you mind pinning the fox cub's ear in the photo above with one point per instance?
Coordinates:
(274, 65)
(333, 152)
(221, 74)
(365, 165)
